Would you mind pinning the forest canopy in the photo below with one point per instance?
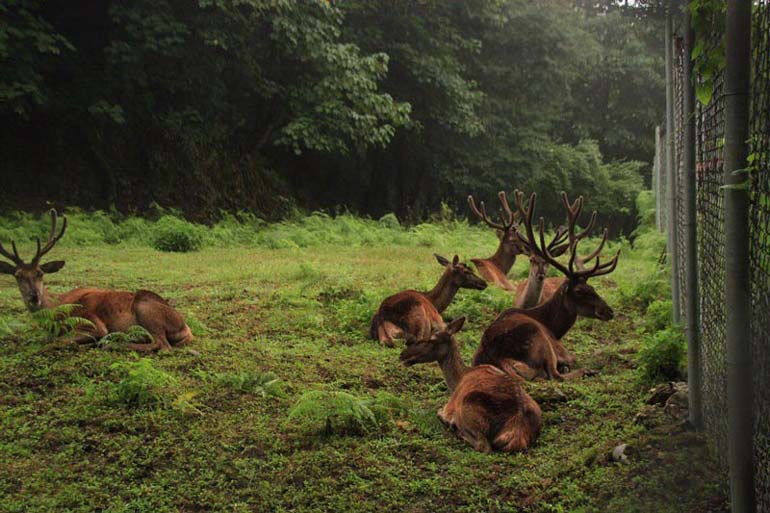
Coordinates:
(373, 106)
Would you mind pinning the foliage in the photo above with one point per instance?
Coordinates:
(133, 335)
(58, 322)
(379, 106)
(174, 234)
(262, 384)
(662, 356)
(659, 315)
(708, 53)
(141, 384)
(338, 412)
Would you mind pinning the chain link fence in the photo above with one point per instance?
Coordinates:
(680, 215)
(759, 165)
(709, 176)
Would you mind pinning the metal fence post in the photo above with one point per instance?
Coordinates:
(670, 171)
(737, 263)
(692, 298)
(656, 183)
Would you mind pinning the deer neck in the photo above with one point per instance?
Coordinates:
(443, 293)
(453, 367)
(534, 290)
(504, 258)
(558, 314)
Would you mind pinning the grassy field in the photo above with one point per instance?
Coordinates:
(209, 434)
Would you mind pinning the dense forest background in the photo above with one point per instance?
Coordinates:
(376, 106)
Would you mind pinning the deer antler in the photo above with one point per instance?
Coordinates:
(15, 258)
(52, 237)
(508, 217)
(545, 251)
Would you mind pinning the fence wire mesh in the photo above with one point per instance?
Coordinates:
(680, 216)
(709, 139)
(709, 155)
(760, 245)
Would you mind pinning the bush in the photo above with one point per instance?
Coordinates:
(337, 412)
(390, 221)
(659, 315)
(174, 234)
(662, 357)
(142, 384)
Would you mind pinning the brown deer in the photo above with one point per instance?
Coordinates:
(108, 310)
(495, 269)
(488, 408)
(537, 288)
(527, 341)
(531, 291)
(413, 312)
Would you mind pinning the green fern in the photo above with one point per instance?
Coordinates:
(330, 412)
(263, 384)
(134, 335)
(142, 384)
(59, 322)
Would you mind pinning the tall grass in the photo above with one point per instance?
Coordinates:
(170, 232)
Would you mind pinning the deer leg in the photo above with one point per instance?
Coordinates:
(477, 440)
(387, 331)
(91, 335)
(150, 316)
(159, 342)
(520, 370)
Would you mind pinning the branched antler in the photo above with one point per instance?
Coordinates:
(41, 251)
(545, 251)
(508, 217)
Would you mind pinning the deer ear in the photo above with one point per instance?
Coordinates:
(6, 268)
(52, 267)
(441, 260)
(455, 326)
(456, 260)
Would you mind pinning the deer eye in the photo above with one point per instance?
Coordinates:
(39, 273)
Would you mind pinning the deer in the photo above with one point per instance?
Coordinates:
(108, 310)
(537, 288)
(413, 312)
(495, 269)
(488, 408)
(526, 341)
(531, 291)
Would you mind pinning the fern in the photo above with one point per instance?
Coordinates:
(263, 384)
(59, 322)
(134, 335)
(330, 412)
(141, 385)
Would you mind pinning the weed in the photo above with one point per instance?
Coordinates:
(59, 322)
(662, 356)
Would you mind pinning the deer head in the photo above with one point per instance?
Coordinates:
(29, 276)
(435, 349)
(586, 300)
(460, 275)
(506, 228)
(538, 266)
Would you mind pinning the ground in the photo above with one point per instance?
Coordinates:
(303, 314)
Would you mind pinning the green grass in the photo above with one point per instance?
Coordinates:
(201, 429)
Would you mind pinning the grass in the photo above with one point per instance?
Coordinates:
(201, 429)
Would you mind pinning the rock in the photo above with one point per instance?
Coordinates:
(619, 454)
(677, 405)
(659, 394)
(648, 416)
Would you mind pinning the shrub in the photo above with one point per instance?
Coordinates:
(662, 357)
(338, 412)
(174, 234)
(142, 384)
(390, 221)
(59, 322)
(263, 384)
(659, 315)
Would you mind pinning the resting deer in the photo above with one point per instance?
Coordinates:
(412, 312)
(488, 408)
(531, 291)
(495, 269)
(537, 288)
(108, 310)
(527, 341)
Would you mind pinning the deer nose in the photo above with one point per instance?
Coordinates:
(34, 298)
